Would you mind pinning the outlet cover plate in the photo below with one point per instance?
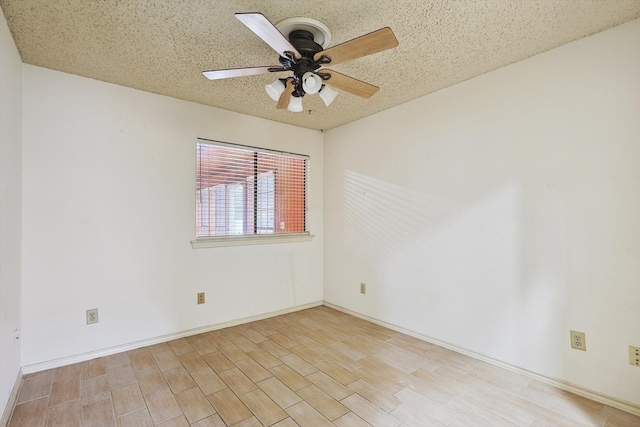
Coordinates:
(634, 356)
(92, 316)
(363, 288)
(200, 297)
(578, 340)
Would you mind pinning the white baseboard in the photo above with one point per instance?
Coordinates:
(8, 409)
(37, 367)
(564, 385)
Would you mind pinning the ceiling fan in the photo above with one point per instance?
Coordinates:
(304, 54)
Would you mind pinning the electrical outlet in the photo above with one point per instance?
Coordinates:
(578, 341)
(92, 316)
(634, 356)
(363, 288)
(200, 297)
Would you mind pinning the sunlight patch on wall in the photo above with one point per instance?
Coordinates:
(438, 254)
(385, 223)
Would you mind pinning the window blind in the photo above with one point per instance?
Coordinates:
(249, 191)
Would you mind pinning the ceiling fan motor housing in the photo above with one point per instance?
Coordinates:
(304, 43)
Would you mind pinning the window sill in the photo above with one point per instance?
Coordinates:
(261, 239)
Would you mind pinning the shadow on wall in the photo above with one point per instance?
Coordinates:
(448, 271)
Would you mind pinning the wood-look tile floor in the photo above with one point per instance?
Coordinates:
(313, 368)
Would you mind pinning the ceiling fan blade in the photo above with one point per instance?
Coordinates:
(264, 29)
(368, 44)
(283, 102)
(349, 84)
(238, 72)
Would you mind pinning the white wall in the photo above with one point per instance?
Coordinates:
(109, 212)
(500, 213)
(10, 209)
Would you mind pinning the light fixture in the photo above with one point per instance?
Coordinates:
(311, 82)
(295, 104)
(275, 89)
(327, 94)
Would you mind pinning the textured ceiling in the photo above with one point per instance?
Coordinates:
(162, 46)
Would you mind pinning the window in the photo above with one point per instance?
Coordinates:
(244, 191)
